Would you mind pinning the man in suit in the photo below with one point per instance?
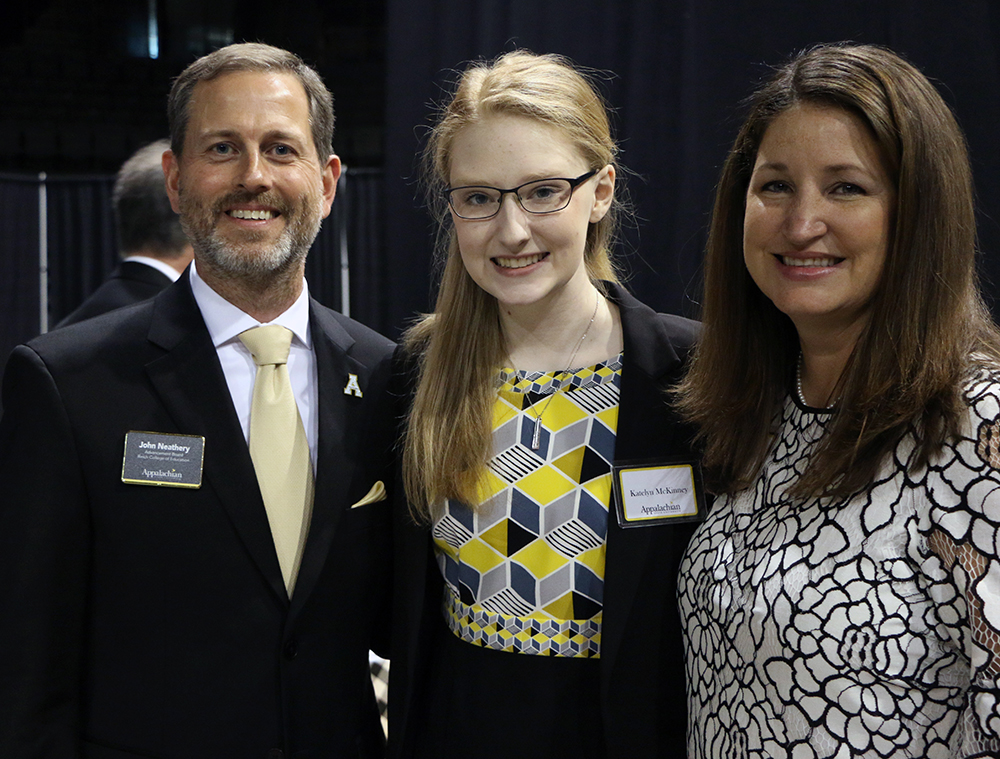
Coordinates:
(153, 246)
(158, 597)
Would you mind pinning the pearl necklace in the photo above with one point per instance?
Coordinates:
(536, 435)
(798, 387)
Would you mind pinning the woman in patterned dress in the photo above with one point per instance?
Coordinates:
(527, 621)
(843, 597)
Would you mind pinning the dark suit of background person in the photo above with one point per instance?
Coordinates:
(140, 621)
(642, 668)
(130, 282)
(150, 238)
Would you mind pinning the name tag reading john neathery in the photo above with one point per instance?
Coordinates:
(155, 458)
(652, 493)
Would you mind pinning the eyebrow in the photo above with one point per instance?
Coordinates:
(832, 169)
(274, 134)
(533, 177)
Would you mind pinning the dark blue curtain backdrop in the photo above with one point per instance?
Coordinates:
(19, 291)
(82, 243)
(677, 73)
(359, 198)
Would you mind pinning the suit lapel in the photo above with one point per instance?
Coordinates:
(339, 417)
(193, 389)
(648, 356)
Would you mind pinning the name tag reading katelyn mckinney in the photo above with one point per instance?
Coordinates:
(649, 493)
(155, 458)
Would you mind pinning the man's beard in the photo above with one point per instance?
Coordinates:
(250, 258)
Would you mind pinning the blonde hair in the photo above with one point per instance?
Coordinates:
(460, 348)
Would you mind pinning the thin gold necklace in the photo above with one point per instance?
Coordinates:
(536, 436)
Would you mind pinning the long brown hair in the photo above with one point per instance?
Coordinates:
(460, 347)
(926, 316)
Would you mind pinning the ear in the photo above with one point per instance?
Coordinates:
(331, 173)
(604, 193)
(171, 175)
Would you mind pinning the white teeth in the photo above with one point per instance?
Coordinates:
(809, 261)
(240, 213)
(519, 263)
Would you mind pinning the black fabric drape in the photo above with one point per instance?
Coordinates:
(323, 262)
(366, 243)
(19, 263)
(82, 242)
(680, 70)
(355, 221)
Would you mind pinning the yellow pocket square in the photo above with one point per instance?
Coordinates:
(376, 494)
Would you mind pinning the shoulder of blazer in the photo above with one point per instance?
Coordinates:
(361, 343)
(131, 283)
(140, 272)
(654, 342)
(112, 337)
(135, 334)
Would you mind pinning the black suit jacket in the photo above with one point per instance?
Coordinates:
(140, 621)
(132, 282)
(642, 694)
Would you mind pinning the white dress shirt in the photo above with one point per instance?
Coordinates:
(225, 322)
(164, 268)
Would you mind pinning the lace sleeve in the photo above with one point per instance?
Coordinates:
(965, 537)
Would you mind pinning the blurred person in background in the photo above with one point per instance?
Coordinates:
(151, 242)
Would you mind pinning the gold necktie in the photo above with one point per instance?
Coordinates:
(279, 448)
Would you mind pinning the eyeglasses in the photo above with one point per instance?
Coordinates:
(541, 196)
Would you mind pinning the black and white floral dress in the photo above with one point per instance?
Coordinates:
(860, 627)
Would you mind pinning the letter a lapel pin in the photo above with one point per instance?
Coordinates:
(352, 387)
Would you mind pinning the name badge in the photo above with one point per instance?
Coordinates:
(155, 458)
(652, 493)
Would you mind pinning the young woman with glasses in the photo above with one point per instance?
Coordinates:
(530, 618)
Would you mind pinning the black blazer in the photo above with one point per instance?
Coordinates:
(140, 621)
(132, 282)
(642, 665)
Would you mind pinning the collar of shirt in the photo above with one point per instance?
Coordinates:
(164, 268)
(225, 322)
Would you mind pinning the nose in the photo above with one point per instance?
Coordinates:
(254, 175)
(805, 217)
(513, 223)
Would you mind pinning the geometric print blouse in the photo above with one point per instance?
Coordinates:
(524, 570)
(858, 627)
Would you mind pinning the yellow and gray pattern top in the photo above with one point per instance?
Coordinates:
(524, 570)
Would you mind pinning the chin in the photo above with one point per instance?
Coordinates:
(522, 297)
